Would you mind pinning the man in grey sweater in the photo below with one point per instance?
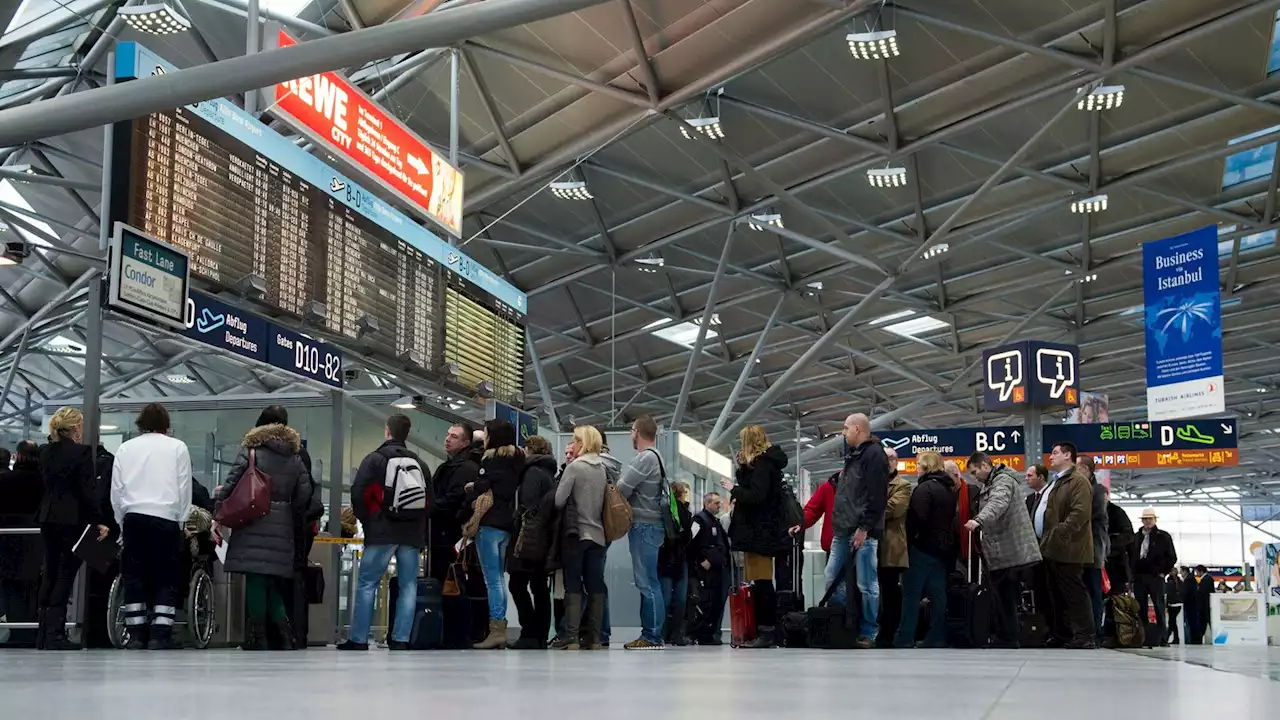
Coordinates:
(643, 484)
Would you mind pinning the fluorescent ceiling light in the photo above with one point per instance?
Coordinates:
(285, 7)
(571, 190)
(657, 323)
(1104, 97)
(915, 327)
(64, 344)
(684, 334)
(10, 196)
(1094, 204)
(936, 250)
(887, 177)
(873, 45)
(404, 403)
(893, 316)
(109, 427)
(709, 126)
(155, 19)
(760, 221)
(816, 285)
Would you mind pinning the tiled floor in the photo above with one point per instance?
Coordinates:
(694, 683)
(1255, 662)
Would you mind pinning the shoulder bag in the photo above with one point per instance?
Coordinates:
(250, 499)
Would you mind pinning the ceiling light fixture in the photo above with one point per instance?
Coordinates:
(408, 402)
(879, 45)
(155, 19)
(571, 190)
(651, 264)
(887, 177)
(181, 379)
(1087, 278)
(1094, 204)
(709, 126)
(15, 251)
(936, 250)
(1103, 97)
(252, 286)
(761, 221)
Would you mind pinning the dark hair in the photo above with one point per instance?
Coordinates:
(273, 415)
(28, 450)
(154, 418)
(5, 457)
(1041, 471)
(646, 428)
(1202, 569)
(498, 433)
(1089, 463)
(979, 458)
(537, 445)
(1068, 448)
(398, 425)
(467, 428)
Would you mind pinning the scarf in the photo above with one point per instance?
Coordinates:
(963, 515)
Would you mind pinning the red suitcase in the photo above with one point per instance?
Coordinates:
(742, 615)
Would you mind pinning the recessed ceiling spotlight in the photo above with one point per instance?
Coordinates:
(887, 177)
(761, 221)
(154, 19)
(873, 45)
(1104, 97)
(1094, 204)
(709, 126)
(936, 250)
(571, 190)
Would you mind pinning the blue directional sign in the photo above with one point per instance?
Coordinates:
(1004, 444)
(526, 424)
(301, 355)
(1031, 374)
(1168, 444)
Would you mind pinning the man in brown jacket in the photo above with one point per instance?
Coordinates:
(1063, 522)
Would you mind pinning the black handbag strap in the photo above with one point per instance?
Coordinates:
(831, 590)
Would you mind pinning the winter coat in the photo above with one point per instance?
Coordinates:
(709, 543)
(673, 556)
(369, 499)
(1161, 557)
(266, 547)
(1195, 603)
(449, 496)
(931, 517)
(535, 511)
(820, 506)
(71, 496)
(1101, 541)
(499, 472)
(21, 489)
(1008, 537)
(1120, 534)
(758, 525)
(863, 491)
(1173, 588)
(580, 498)
(20, 555)
(1068, 521)
(893, 545)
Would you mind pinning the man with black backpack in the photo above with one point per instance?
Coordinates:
(390, 496)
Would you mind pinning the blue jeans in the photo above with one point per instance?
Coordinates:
(675, 594)
(834, 572)
(866, 568)
(926, 577)
(491, 543)
(645, 540)
(373, 564)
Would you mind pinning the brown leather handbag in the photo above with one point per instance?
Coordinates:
(250, 499)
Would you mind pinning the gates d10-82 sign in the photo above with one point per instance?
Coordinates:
(1031, 374)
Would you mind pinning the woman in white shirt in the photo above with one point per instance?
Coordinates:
(151, 498)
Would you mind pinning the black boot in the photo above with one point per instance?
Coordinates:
(138, 637)
(41, 630)
(255, 636)
(280, 635)
(162, 638)
(765, 638)
(55, 621)
(593, 625)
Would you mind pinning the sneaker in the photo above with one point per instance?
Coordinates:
(350, 645)
(398, 646)
(642, 644)
(1081, 645)
(865, 643)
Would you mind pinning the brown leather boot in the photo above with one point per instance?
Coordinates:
(497, 637)
(572, 622)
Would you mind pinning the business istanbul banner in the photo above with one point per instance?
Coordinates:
(1183, 323)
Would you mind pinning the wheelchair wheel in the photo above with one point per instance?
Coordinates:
(117, 631)
(201, 621)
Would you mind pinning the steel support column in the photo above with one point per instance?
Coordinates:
(748, 367)
(642, 56)
(543, 386)
(490, 110)
(252, 42)
(453, 107)
(708, 313)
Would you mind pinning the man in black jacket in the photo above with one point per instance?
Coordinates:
(20, 555)
(1153, 559)
(449, 503)
(709, 560)
(390, 495)
(858, 519)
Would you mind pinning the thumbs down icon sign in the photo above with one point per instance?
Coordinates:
(1056, 369)
(1004, 373)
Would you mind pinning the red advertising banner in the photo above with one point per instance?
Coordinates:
(338, 115)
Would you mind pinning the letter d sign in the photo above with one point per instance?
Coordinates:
(1166, 435)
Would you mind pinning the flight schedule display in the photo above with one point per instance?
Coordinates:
(240, 198)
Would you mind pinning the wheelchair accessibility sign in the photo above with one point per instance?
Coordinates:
(1031, 374)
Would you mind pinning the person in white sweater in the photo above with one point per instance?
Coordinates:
(151, 498)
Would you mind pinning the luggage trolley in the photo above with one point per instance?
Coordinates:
(197, 614)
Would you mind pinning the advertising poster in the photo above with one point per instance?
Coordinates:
(1183, 326)
(1094, 408)
(1238, 619)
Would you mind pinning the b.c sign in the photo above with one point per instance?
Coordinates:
(1031, 373)
(339, 116)
(1005, 445)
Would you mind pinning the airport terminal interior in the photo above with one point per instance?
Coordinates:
(827, 259)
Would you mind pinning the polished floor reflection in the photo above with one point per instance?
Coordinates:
(695, 683)
(1256, 662)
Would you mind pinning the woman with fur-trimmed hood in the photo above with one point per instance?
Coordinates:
(493, 499)
(263, 550)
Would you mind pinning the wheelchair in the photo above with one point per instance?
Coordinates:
(196, 619)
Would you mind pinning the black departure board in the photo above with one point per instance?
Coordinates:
(484, 337)
(237, 211)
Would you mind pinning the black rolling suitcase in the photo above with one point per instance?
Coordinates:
(466, 614)
(1033, 626)
(428, 616)
(791, 606)
(969, 608)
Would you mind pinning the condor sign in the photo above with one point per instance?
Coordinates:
(337, 115)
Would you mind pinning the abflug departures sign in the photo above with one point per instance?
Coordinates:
(1031, 374)
(149, 278)
(1004, 444)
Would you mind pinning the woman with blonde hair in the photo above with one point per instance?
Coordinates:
(931, 551)
(69, 504)
(580, 497)
(759, 526)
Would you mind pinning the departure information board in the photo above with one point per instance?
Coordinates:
(240, 199)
